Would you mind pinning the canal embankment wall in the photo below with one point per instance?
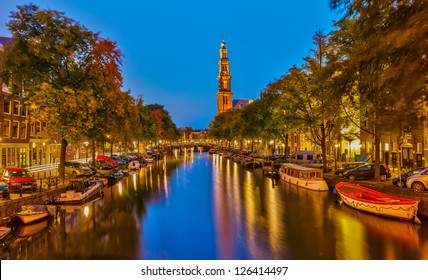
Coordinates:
(11, 206)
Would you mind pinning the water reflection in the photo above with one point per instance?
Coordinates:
(200, 206)
(365, 236)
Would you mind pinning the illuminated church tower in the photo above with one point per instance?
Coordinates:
(224, 94)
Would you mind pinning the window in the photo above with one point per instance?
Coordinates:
(6, 128)
(44, 128)
(16, 108)
(23, 130)
(23, 111)
(38, 128)
(15, 129)
(310, 157)
(419, 147)
(7, 107)
(32, 129)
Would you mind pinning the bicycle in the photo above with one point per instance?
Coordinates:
(50, 182)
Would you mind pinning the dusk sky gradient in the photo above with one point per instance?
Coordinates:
(171, 48)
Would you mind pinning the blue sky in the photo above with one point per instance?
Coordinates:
(171, 48)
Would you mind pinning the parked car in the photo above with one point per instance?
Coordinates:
(4, 190)
(107, 159)
(366, 171)
(276, 157)
(418, 182)
(102, 164)
(75, 169)
(302, 157)
(318, 163)
(17, 177)
(120, 161)
(339, 172)
(400, 180)
(93, 168)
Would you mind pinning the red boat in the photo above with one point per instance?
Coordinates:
(369, 200)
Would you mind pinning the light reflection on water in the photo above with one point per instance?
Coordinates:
(200, 206)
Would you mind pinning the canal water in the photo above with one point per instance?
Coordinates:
(201, 206)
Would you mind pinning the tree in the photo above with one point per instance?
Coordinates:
(166, 128)
(143, 127)
(64, 70)
(384, 61)
(255, 119)
(225, 126)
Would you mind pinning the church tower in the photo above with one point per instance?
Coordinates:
(224, 93)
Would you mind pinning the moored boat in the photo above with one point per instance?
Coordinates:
(270, 167)
(114, 178)
(79, 191)
(375, 202)
(32, 213)
(305, 177)
(134, 165)
(4, 231)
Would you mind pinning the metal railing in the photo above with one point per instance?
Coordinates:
(43, 167)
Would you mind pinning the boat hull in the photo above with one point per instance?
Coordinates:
(371, 201)
(27, 217)
(4, 231)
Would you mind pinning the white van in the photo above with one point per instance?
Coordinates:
(302, 157)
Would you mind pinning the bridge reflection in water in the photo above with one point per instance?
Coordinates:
(200, 206)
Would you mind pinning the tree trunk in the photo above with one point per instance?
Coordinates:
(61, 167)
(286, 152)
(377, 155)
(93, 152)
(323, 149)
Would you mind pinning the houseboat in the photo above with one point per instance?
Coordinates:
(305, 177)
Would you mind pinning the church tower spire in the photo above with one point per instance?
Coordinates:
(224, 93)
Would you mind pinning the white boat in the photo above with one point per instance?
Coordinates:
(305, 177)
(32, 213)
(80, 191)
(134, 165)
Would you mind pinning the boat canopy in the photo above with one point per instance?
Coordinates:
(302, 172)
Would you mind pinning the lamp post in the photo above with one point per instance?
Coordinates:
(336, 158)
(86, 150)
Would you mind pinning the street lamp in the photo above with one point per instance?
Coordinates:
(337, 155)
(86, 150)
